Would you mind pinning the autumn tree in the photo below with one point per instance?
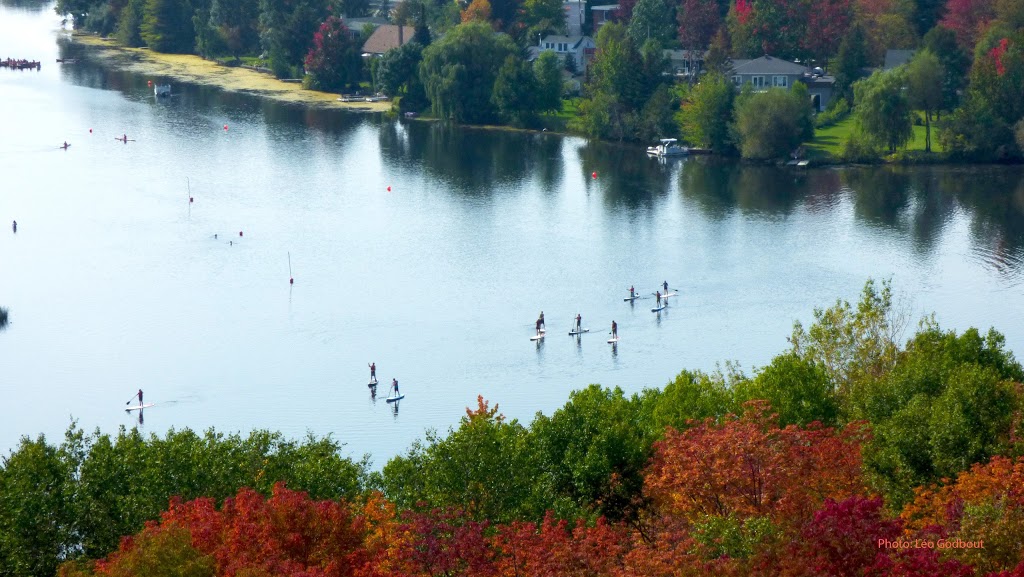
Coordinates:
(749, 467)
(968, 19)
(334, 61)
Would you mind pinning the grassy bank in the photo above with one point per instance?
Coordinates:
(195, 70)
(827, 144)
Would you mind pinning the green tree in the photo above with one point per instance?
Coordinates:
(651, 21)
(707, 112)
(882, 108)
(797, 389)
(853, 345)
(941, 42)
(167, 26)
(515, 92)
(693, 396)
(37, 513)
(397, 74)
(924, 81)
(540, 17)
(485, 467)
(773, 123)
(458, 72)
(592, 453)
(849, 63)
(548, 72)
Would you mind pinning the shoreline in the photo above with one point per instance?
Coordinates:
(194, 69)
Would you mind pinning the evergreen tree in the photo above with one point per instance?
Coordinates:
(167, 26)
(850, 62)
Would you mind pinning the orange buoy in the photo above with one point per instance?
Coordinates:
(149, 82)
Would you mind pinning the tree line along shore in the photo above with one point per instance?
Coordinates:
(957, 98)
(850, 439)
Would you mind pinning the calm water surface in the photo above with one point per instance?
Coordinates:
(114, 282)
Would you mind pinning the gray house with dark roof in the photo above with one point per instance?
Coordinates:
(770, 72)
(386, 37)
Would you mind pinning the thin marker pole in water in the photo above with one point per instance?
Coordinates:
(291, 279)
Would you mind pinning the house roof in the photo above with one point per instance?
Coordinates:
(605, 7)
(385, 38)
(766, 65)
(894, 58)
(573, 41)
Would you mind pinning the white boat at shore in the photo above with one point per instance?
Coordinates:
(668, 147)
(162, 89)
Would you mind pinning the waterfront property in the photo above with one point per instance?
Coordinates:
(770, 72)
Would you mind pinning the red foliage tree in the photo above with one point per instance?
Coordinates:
(698, 22)
(749, 467)
(968, 19)
(827, 24)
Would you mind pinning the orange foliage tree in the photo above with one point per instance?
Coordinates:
(287, 534)
(749, 467)
(984, 504)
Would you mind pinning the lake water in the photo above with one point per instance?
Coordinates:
(115, 282)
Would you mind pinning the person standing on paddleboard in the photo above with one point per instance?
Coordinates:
(579, 322)
(632, 293)
(664, 285)
(615, 330)
(657, 297)
(394, 385)
(373, 372)
(140, 397)
(541, 320)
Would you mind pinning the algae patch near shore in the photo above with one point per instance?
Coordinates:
(193, 69)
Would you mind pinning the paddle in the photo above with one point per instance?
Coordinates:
(131, 399)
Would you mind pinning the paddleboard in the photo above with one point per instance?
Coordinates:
(613, 340)
(65, 147)
(139, 407)
(665, 296)
(579, 332)
(659, 309)
(537, 337)
(393, 399)
(373, 382)
(632, 298)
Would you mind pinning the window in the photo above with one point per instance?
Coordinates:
(781, 81)
(737, 80)
(757, 81)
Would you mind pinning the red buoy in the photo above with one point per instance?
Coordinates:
(389, 189)
(291, 281)
(239, 233)
(593, 175)
(225, 127)
(149, 83)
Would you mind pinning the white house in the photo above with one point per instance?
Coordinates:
(581, 47)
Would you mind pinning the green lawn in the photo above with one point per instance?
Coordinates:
(828, 142)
